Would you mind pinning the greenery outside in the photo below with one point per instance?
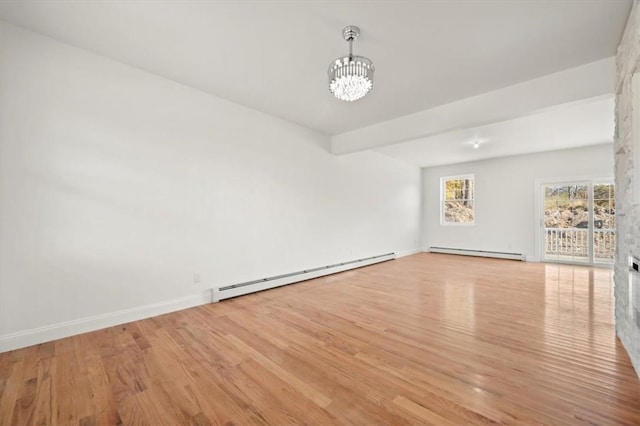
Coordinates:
(458, 200)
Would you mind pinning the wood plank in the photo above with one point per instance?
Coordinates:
(426, 339)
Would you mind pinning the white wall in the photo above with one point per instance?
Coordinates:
(505, 197)
(118, 185)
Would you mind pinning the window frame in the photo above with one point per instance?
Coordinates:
(443, 179)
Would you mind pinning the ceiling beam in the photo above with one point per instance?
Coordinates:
(583, 82)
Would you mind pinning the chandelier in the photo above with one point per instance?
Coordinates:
(351, 77)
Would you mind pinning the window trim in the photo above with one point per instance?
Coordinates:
(470, 176)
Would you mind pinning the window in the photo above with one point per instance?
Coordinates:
(457, 195)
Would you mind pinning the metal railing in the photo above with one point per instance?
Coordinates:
(574, 243)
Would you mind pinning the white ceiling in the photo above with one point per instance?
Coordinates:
(273, 56)
(565, 126)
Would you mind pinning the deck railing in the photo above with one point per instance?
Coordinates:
(604, 247)
(574, 242)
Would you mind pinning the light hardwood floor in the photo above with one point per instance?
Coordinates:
(426, 339)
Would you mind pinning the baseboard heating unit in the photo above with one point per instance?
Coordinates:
(294, 277)
(479, 253)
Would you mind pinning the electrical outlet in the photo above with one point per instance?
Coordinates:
(196, 278)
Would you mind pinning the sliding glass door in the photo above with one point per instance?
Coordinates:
(604, 223)
(578, 223)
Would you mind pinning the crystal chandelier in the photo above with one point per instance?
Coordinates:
(351, 77)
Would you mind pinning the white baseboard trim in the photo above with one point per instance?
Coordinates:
(48, 333)
(240, 289)
(408, 252)
(478, 253)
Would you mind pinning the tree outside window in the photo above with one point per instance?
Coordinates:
(457, 199)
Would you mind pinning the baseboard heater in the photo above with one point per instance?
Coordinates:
(294, 277)
(479, 253)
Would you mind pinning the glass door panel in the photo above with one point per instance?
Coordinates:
(566, 223)
(579, 222)
(604, 223)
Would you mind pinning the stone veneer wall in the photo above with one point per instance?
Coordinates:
(628, 214)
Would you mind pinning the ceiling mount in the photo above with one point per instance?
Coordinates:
(350, 32)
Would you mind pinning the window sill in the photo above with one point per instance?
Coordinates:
(457, 224)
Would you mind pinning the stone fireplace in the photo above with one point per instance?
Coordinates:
(627, 172)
